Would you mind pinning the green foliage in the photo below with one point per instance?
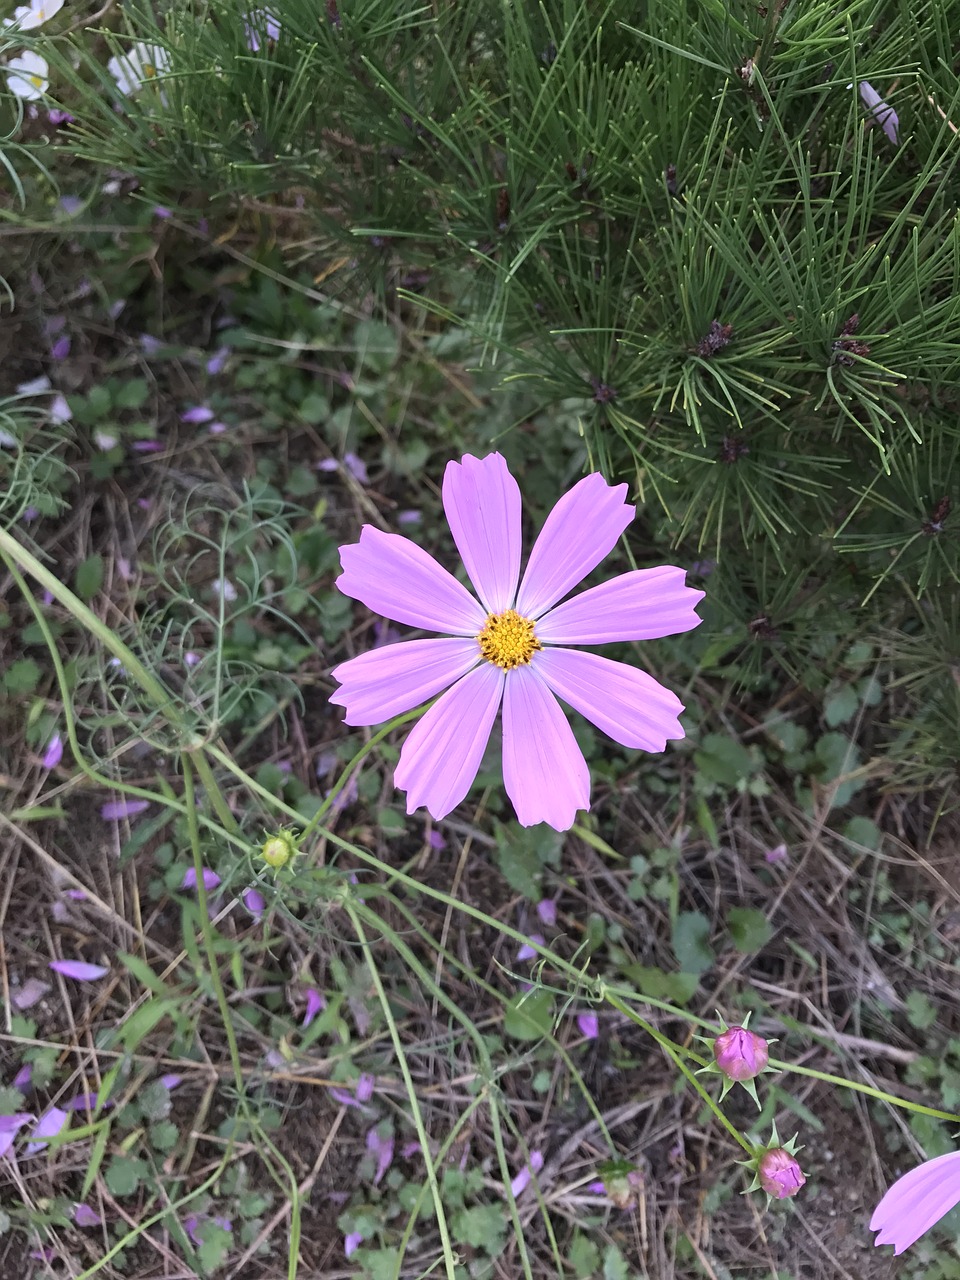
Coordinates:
(675, 224)
(691, 942)
(663, 239)
(529, 1016)
(523, 853)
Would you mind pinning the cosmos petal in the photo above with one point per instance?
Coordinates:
(383, 683)
(642, 605)
(916, 1201)
(627, 704)
(580, 531)
(544, 771)
(394, 577)
(482, 503)
(441, 756)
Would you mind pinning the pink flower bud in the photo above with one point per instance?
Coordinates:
(740, 1054)
(779, 1173)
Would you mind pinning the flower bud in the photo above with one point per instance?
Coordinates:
(740, 1054)
(279, 849)
(779, 1173)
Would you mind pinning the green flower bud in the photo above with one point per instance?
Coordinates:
(279, 849)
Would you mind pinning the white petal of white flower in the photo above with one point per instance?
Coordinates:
(142, 63)
(224, 587)
(29, 16)
(29, 79)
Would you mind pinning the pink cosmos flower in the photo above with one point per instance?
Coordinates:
(779, 1173)
(740, 1054)
(506, 646)
(916, 1201)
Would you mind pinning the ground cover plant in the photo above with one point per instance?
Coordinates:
(277, 280)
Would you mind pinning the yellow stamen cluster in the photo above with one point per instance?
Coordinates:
(508, 640)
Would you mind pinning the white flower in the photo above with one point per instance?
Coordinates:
(224, 588)
(144, 62)
(33, 15)
(29, 79)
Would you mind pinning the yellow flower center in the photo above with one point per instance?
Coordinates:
(37, 81)
(508, 640)
(149, 71)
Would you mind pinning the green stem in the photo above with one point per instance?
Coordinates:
(193, 829)
(11, 550)
(489, 1075)
(215, 795)
(675, 1054)
(871, 1092)
(450, 1261)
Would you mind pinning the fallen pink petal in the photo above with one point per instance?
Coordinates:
(210, 879)
(504, 647)
(84, 1216)
(216, 362)
(882, 112)
(49, 1125)
(114, 810)
(54, 752)
(8, 1129)
(917, 1201)
(522, 1180)
(589, 1025)
(315, 1004)
(528, 952)
(60, 410)
(85, 1102)
(26, 996)
(547, 911)
(194, 1221)
(253, 900)
(171, 1080)
(382, 1149)
(79, 970)
(344, 1098)
(357, 467)
(351, 1242)
(198, 413)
